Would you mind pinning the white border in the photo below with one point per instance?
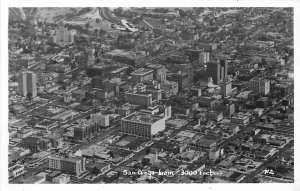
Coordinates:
(137, 3)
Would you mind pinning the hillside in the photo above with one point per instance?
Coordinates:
(53, 14)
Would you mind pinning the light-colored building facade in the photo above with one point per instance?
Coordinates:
(203, 58)
(226, 87)
(142, 124)
(142, 75)
(261, 87)
(62, 35)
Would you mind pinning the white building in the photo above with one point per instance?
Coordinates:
(203, 58)
(63, 35)
(16, 170)
(104, 120)
(142, 124)
(260, 86)
(226, 87)
(55, 162)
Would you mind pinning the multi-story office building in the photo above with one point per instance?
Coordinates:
(262, 102)
(98, 81)
(260, 86)
(90, 53)
(143, 99)
(86, 129)
(198, 55)
(214, 115)
(218, 70)
(241, 118)
(224, 69)
(281, 90)
(169, 88)
(27, 61)
(142, 75)
(16, 170)
(27, 84)
(207, 47)
(141, 88)
(159, 72)
(55, 162)
(195, 91)
(226, 87)
(74, 165)
(156, 93)
(193, 54)
(182, 80)
(63, 35)
(186, 68)
(213, 70)
(104, 120)
(203, 58)
(35, 143)
(142, 124)
(123, 111)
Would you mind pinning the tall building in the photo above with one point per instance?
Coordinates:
(218, 70)
(197, 55)
(55, 162)
(90, 53)
(213, 70)
(142, 124)
(169, 88)
(168, 112)
(226, 86)
(260, 86)
(224, 69)
(159, 72)
(63, 35)
(144, 99)
(186, 68)
(142, 75)
(182, 80)
(27, 84)
(86, 129)
(104, 120)
(203, 58)
(74, 165)
(98, 81)
(156, 93)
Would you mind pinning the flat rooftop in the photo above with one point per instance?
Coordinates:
(154, 66)
(119, 70)
(141, 71)
(124, 53)
(142, 118)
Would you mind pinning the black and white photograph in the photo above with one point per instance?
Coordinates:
(149, 95)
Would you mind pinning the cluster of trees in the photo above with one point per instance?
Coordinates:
(118, 11)
(161, 10)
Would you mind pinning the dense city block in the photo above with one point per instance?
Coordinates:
(151, 95)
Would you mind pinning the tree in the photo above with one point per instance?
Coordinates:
(96, 31)
(87, 25)
(97, 20)
(118, 11)
(102, 32)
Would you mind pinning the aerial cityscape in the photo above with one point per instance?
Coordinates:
(101, 95)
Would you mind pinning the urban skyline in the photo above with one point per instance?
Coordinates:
(151, 95)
